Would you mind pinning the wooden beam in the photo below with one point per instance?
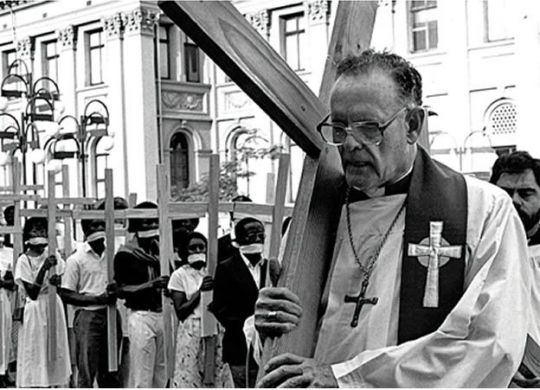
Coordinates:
(209, 322)
(225, 35)
(112, 336)
(51, 218)
(280, 193)
(166, 255)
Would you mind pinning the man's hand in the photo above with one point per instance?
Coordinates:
(55, 280)
(289, 370)
(49, 262)
(110, 295)
(277, 311)
(207, 283)
(160, 282)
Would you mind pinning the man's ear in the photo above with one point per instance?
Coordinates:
(415, 120)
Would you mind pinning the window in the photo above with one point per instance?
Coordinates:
(8, 58)
(164, 52)
(50, 60)
(100, 156)
(498, 21)
(424, 29)
(192, 62)
(95, 46)
(293, 43)
(179, 160)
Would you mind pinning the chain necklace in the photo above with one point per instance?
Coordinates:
(373, 259)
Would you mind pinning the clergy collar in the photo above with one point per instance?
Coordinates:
(399, 187)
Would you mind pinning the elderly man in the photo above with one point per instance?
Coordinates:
(519, 174)
(428, 286)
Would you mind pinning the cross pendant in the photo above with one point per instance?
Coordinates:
(360, 300)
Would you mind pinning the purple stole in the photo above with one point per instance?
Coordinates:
(436, 217)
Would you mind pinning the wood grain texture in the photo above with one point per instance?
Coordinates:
(166, 256)
(209, 322)
(51, 309)
(264, 76)
(112, 340)
(226, 37)
(278, 213)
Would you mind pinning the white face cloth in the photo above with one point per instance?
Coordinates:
(251, 249)
(196, 257)
(37, 241)
(95, 236)
(148, 233)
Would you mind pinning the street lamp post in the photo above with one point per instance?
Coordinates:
(93, 123)
(23, 134)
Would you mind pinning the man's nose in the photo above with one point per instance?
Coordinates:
(352, 143)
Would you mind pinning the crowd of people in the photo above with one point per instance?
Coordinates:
(432, 282)
(81, 280)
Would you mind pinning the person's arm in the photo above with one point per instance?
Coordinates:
(8, 282)
(74, 298)
(481, 342)
(125, 291)
(183, 306)
(32, 289)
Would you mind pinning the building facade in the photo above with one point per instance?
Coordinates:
(169, 104)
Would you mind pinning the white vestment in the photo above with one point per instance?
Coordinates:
(481, 342)
(6, 265)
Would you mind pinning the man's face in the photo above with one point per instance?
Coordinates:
(525, 193)
(371, 97)
(253, 233)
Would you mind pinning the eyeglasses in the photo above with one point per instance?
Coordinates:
(366, 132)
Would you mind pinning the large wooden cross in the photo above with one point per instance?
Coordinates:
(248, 59)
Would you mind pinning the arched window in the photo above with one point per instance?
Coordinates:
(99, 164)
(179, 161)
(250, 150)
(501, 122)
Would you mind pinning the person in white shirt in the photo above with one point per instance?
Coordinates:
(185, 286)
(34, 367)
(7, 285)
(85, 286)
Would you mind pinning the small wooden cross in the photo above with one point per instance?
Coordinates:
(360, 300)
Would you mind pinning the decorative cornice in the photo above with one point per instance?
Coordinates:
(140, 20)
(260, 21)
(318, 10)
(25, 48)
(67, 37)
(113, 26)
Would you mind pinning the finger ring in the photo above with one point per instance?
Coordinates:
(272, 315)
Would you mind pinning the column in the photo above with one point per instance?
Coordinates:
(318, 39)
(67, 39)
(140, 101)
(114, 64)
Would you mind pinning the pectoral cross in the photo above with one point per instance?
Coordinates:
(433, 252)
(360, 300)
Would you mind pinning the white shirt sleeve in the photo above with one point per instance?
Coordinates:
(176, 281)
(481, 342)
(23, 272)
(72, 275)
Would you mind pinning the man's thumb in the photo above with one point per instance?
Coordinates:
(275, 271)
